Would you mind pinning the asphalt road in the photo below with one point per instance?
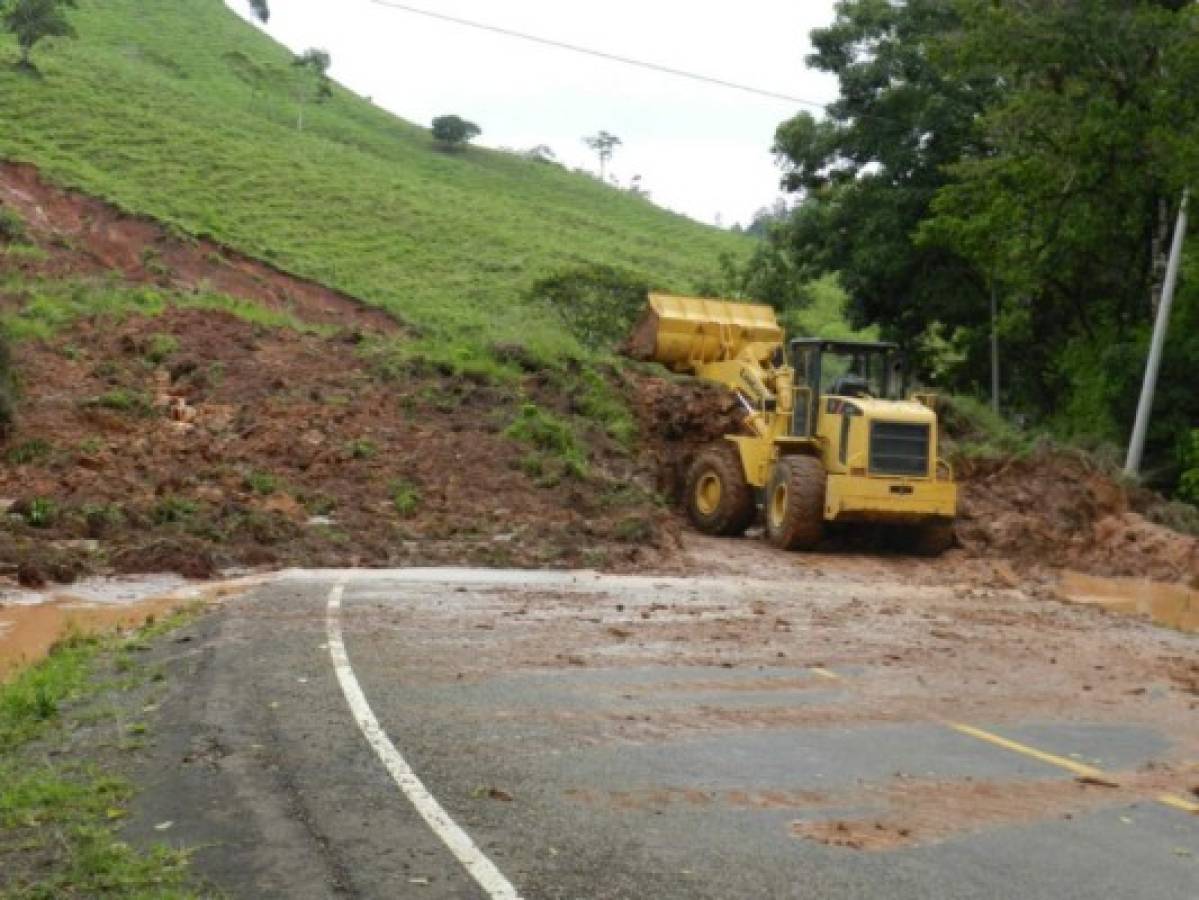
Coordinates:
(633, 737)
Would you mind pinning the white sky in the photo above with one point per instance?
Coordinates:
(700, 149)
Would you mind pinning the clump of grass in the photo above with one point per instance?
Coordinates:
(362, 448)
(551, 436)
(30, 451)
(12, 226)
(263, 483)
(160, 348)
(405, 497)
(594, 398)
(173, 510)
(101, 518)
(123, 400)
(41, 512)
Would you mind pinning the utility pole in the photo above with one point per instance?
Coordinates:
(994, 349)
(1136, 445)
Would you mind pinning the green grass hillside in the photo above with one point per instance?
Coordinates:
(180, 110)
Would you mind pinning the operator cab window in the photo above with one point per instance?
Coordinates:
(854, 373)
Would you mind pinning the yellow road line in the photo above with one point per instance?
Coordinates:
(824, 673)
(1178, 803)
(1062, 762)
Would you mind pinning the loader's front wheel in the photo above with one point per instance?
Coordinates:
(795, 503)
(719, 499)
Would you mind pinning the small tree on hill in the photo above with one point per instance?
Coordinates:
(452, 132)
(260, 10)
(314, 84)
(605, 145)
(32, 20)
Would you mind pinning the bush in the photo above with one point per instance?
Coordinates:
(12, 226)
(123, 400)
(405, 497)
(1188, 482)
(599, 304)
(30, 451)
(160, 348)
(551, 435)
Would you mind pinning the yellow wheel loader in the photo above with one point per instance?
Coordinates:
(828, 436)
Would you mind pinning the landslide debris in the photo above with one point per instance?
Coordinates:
(195, 440)
(1052, 507)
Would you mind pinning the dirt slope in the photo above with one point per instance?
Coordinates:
(250, 445)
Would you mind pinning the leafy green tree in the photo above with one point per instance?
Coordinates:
(33, 20)
(867, 173)
(260, 9)
(1071, 208)
(313, 84)
(604, 144)
(452, 132)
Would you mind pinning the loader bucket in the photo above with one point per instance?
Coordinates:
(685, 332)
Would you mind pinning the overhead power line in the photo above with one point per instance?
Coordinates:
(599, 54)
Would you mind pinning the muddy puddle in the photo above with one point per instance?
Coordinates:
(1172, 605)
(31, 622)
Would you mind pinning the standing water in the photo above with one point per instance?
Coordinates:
(1173, 605)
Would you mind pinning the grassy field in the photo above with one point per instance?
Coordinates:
(180, 110)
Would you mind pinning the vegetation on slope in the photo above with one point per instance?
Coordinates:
(1037, 151)
(180, 110)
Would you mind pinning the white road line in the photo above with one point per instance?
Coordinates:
(482, 869)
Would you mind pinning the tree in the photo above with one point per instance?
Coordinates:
(33, 20)
(605, 145)
(867, 173)
(452, 132)
(542, 153)
(313, 84)
(260, 9)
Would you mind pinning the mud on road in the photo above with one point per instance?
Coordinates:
(773, 726)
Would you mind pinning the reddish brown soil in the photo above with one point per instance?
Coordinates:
(86, 236)
(283, 427)
(251, 446)
(1054, 509)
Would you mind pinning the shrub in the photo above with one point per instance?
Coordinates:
(549, 434)
(261, 483)
(172, 510)
(1188, 482)
(12, 226)
(160, 348)
(599, 304)
(362, 448)
(405, 497)
(30, 451)
(123, 400)
(41, 513)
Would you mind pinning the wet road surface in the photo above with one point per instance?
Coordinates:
(640, 737)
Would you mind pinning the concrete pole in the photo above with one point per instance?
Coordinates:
(1136, 446)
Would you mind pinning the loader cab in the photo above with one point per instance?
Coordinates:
(844, 370)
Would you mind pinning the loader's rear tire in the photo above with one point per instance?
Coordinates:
(795, 503)
(719, 499)
(931, 538)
